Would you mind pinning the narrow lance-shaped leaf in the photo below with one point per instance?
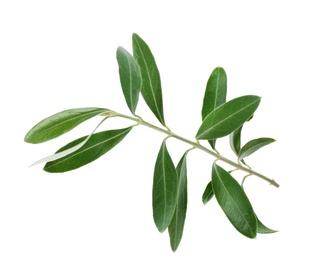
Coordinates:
(235, 140)
(97, 145)
(175, 229)
(234, 202)
(228, 117)
(60, 123)
(151, 84)
(262, 229)
(164, 190)
(208, 193)
(215, 94)
(70, 150)
(253, 145)
(130, 77)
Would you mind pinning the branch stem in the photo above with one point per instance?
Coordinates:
(196, 144)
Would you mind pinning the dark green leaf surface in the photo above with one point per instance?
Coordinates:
(151, 85)
(164, 190)
(228, 117)
(254, 145)
(175, 229)
(216, 91)
(130, 77)
(215, 94)
(234, 202)
(262, 229)
(97, 145)
(60, 123)
(235, 140)
(208, 193)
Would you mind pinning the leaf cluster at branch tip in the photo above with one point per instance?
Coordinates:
(221, 118)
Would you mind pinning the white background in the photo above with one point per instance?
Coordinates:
(56, 55)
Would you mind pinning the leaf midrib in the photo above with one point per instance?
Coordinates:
(225, 119)
(177, 210)
(216, 91)
(164, 185)
(65, 121)
(150, 81)
(130, 81)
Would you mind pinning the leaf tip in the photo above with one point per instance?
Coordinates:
(30, 138)
(48, 169)
(26, 139)
(135, 36)
(119, 50)
(219, 69)
(161, 229)
(174, 248)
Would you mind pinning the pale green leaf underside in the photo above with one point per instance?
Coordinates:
(234, 202)
(60, 123)
(254, 145)
(235, 140)
(175, 229)
(151, 84)
(130, 77)
(228, 117)
(70, 150)
(164, 190)
(97, 145)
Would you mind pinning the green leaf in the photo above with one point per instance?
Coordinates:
(234, 202)
(175, 229)
(164, 190)
(60, 123)
(216, 91)
(228, 117)
(262, 229)
(208, 193)
(151, 85)
(215, 94)
(70, 150)
(254, 145)
(97, 145)
(130, 77)
(235, 140)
